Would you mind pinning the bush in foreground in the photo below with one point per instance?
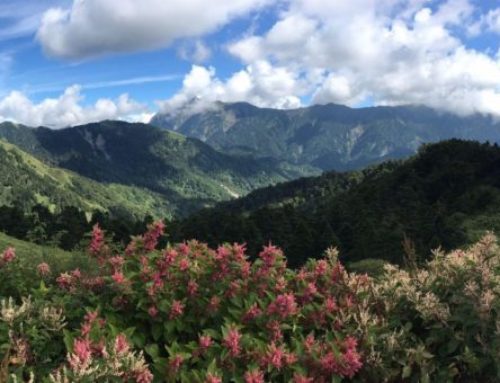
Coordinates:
(189, 313)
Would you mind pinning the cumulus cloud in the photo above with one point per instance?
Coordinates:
(97, 27)
(389, 51)
(67, 109)
(259, 83)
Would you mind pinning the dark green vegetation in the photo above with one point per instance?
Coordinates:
(142, 169)
(68, 228)
(447, 195)
(26, 181)
(328, 137)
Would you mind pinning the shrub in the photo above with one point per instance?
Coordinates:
(211, 315)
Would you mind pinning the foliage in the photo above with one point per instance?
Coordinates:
(138, 168)
(446, 195)
(67, 228)
(205, 315)
(26, 182)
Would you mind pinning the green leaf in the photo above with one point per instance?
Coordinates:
(406, 372)
(68, 340)
(152, 350)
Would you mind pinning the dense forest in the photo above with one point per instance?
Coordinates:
(447, 195)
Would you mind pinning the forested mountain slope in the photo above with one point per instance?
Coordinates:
(447, 195)
(329, 137)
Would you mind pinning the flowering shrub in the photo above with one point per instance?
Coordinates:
(30, 337)
(442, 320)
(205, 315)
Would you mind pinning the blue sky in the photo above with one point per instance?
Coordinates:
(65, 62)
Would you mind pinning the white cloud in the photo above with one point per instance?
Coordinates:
(97, 27)
(259, 83)
(492, 20)
(67, 109)
(194, 51)
(390, 51)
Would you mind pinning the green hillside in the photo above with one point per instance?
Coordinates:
(26, 181)
(187, 173)
(448, 195)
(29, 255)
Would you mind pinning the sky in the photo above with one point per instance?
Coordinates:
(70, 62)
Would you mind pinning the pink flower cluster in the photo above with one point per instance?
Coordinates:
(7, 256)
(281, 321)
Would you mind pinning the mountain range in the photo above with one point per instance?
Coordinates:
(326, 137)
(194, 159)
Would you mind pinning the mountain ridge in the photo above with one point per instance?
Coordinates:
(188, 173)
(330, 136)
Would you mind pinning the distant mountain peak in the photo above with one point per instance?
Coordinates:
(326, 136)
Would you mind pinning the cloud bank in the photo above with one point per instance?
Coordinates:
(67, 109)
(356, 52)
(387, 52)
(99, 27)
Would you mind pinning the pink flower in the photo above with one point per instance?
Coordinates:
(76, 273)
(320, 268)
(328, 362)
(213, 305)
(97, 240)
(184, 264)
(205, 342)
(192, 288)
(131, 248)
(223, 253)
(330, 305)
(274, 356)
(143, 376)
(284, 305)
(91, 316)
(65, 281)
(254, 376)
(155, 231)
(153, 311)
(116, 262)
(169, 256)
(350, 343)
(81, 353)
(43, 269)
(184, 248)
(280, 284)
(121, 344)
(176, 362)
(299, 378)
(85, 329)
(309, 343)
(290, 358)
(275, 328)
(213, 378)
(118, 277)
(351, 363)
(9, 255)
(269, 255)
(176, 309)
(232, 342)
(253, 312)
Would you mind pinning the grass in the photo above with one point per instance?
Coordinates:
(29, 255)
